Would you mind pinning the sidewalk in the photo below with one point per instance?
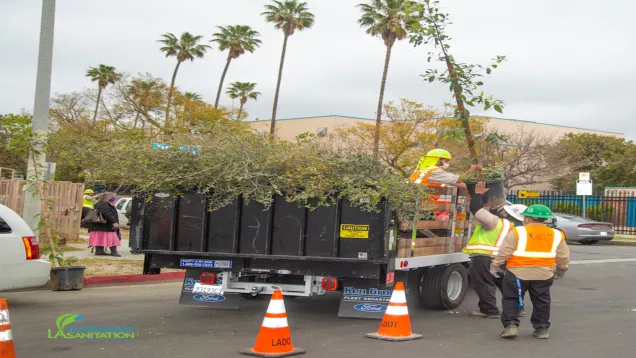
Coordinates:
(123, 250)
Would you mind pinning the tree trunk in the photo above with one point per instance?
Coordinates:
(461, 108)
(170, 92)
(218, 93)
(99, 95)
(240, 111)
(378, 120)
(272, 129)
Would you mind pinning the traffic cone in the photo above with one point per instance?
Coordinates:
(274, 337)
(6, 337)
(396, 324)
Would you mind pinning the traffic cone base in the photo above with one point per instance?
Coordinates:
(396, 324)
(274, 337)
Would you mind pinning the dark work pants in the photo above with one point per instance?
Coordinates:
(539, 291)
(485, 284)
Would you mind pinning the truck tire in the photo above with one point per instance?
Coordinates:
(444, 287)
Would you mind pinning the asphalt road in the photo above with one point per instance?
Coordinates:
(594, 315)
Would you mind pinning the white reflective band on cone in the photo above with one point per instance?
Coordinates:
(398, 297)
(275, 322)
(4, 317)
(6, 336)
(397, 310)
(276, 307)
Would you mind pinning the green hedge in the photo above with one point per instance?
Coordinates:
(566, 208)
(599, 213)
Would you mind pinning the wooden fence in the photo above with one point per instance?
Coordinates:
(65, 197)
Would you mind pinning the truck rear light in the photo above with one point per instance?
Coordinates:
(207, 278)
(329, 284)
(31, 247)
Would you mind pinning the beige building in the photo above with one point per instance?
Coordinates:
(289, 128)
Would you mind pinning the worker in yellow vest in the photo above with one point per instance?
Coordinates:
(431, 170)
(530, 253)
(88, 201)
(482, 248)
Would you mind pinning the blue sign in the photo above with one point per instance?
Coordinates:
(205, 263)
(369, 307)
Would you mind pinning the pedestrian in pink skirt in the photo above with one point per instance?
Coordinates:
(106, 235)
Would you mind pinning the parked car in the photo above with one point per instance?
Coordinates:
(585, 231)
(20, 263)
(122, 206)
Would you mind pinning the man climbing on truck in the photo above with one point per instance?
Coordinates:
(431, 170)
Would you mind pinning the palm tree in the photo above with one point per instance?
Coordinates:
(192, 96)
(185, 48)
(388, 20)
(288, 16)
(103, 75)
(237, 39)
(244, 91)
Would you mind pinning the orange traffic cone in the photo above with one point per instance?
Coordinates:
(396, 324)
(274, 337)
(6, 337)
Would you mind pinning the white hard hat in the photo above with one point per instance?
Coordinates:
(515, 210)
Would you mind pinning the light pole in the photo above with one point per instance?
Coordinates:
(40, 122)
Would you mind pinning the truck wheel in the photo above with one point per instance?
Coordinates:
(444, 287)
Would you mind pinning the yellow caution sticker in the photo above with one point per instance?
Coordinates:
(348, 231)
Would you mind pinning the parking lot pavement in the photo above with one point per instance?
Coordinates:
(593, 315)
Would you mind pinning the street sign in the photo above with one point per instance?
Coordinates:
(584, 176)
(528, 194)
(584, 187)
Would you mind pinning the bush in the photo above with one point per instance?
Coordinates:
(566, 208)
(599, 213)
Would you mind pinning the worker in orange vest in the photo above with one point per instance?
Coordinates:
(530, 253)
(431, 170)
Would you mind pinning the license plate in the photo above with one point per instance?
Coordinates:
(215, 290)
(603, 234)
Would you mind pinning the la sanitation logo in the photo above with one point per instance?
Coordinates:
(89, 333)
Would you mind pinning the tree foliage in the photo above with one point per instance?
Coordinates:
(13, 148)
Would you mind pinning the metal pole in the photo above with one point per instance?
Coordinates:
(40, 122)
(584, 206)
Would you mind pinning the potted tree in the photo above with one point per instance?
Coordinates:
(64, 276)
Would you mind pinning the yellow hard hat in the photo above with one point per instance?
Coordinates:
(439, 153)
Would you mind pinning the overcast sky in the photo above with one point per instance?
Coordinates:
(569, 62)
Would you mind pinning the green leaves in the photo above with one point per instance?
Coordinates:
(498, 108)
(488, 70)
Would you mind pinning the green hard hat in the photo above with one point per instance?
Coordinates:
(538, 211)
(89, 191)
(439, 153)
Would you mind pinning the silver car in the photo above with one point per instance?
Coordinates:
(585, 231)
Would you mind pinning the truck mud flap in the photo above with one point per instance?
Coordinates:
(187, 298)
(364, 299)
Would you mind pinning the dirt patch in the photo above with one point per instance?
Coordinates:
(97, 267)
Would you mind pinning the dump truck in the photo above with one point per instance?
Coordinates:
(246, 249)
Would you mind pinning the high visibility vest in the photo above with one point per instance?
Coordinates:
(487, 242)
(420, 176)
(536, 246)
(87, 203)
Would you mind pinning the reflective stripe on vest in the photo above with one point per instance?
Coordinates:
(86, 203)
(421, 176)
(535, 246)
(486, 246)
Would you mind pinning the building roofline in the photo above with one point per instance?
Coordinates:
(498, 118)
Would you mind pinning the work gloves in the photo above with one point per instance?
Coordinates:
(495, 271)
(560, 272)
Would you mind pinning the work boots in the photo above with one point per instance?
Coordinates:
(541, 333)
(113, 251)
(510, 331)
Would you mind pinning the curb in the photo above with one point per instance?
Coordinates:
(91, 281)
(618, 243)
